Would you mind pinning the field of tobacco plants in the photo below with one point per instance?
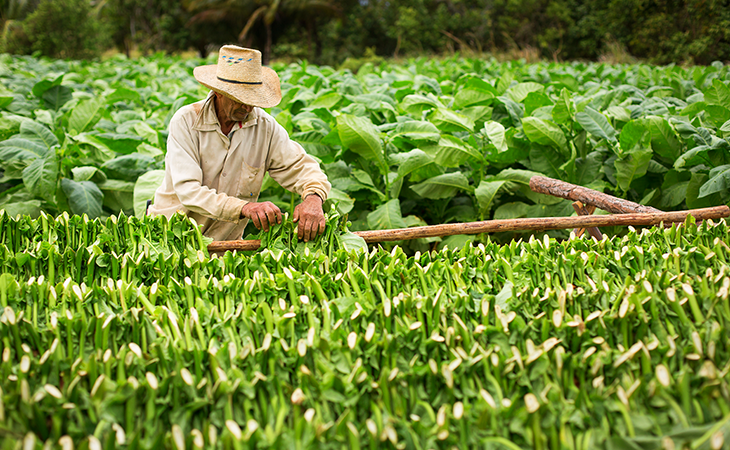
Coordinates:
(121, 331)
(125, 333)
(423, 142)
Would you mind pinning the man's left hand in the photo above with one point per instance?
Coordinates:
(310, 217)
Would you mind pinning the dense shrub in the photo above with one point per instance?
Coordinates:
(60, 29)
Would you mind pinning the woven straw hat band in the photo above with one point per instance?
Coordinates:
(238, 65)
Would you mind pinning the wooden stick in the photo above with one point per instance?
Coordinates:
(494, 226)
(583, 210)
(557, 188)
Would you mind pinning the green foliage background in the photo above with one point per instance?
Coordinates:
(329, 32)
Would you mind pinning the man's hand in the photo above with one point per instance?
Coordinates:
(312, 221)
(262, 214)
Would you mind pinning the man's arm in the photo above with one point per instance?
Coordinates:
(183, 161)
(291, 167)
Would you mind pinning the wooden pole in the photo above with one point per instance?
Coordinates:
(583, 210)
(494, 226)
(557, 188)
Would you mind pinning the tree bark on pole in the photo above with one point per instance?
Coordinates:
(557, 188)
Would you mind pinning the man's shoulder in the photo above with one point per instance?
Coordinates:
(263, 116)
(188, 113)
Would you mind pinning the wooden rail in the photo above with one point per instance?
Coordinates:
(494, 226)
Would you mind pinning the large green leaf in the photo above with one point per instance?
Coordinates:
(88, 173)
(664, 139)
(517, 175)
(144, 189)
(478, 114)
(631, 166)
(596, 124)
(30, 208)
(312, 143)
(415, 104)
(373, 102)
(327, 100)
(41, 177)
(442, 186)
(84, 197)
(343, 202)
(387, 216)
(123, 94)
(18, 148)
(674, 188)
(486, 192)
(471, 97)
(84, 116)
(511, 210)
(38, 133)
(456, 242)
(563, 111)
(544, 133)
(147, 132)
(696, 155)
(120, 143)
(452, 151)
(351, 242)
(719, 182)
(128, 167)
(54, 95)
(693, 200)
(416, 131)
(633, 134)
(359, 135)
(717, 114)
(519, 92)
(718, 94)
(411, 161)
(546, 161)
(448, 120)
(495, 133)
(588, 169)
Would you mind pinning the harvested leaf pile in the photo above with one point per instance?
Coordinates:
(126, 334)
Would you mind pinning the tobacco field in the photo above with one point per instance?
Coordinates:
(118, 331)
(423, 142)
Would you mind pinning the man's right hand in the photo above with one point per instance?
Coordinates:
(262, 214)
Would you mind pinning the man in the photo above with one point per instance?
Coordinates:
(219, 149)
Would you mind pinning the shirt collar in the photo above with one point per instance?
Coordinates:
(207, 119)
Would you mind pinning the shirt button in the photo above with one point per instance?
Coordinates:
(224, 174)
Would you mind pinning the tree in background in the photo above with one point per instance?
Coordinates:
(265, 13)
(60, 29)
(14, 11)
(161, 25)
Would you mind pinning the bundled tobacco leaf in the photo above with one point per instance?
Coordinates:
(336, 236)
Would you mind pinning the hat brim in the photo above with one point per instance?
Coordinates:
(264, 95)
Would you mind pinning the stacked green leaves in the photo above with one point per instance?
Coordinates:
(424, 142)
(284, 236)
(126, 334)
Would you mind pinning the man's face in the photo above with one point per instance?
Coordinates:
(231, 110)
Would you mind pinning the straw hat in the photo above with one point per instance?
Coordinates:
(240, 76)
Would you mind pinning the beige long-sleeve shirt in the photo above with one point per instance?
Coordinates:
(210, 177)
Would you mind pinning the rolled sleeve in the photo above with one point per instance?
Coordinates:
(293, 168)
(184, 166)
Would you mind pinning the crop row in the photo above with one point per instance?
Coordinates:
(540, 344)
